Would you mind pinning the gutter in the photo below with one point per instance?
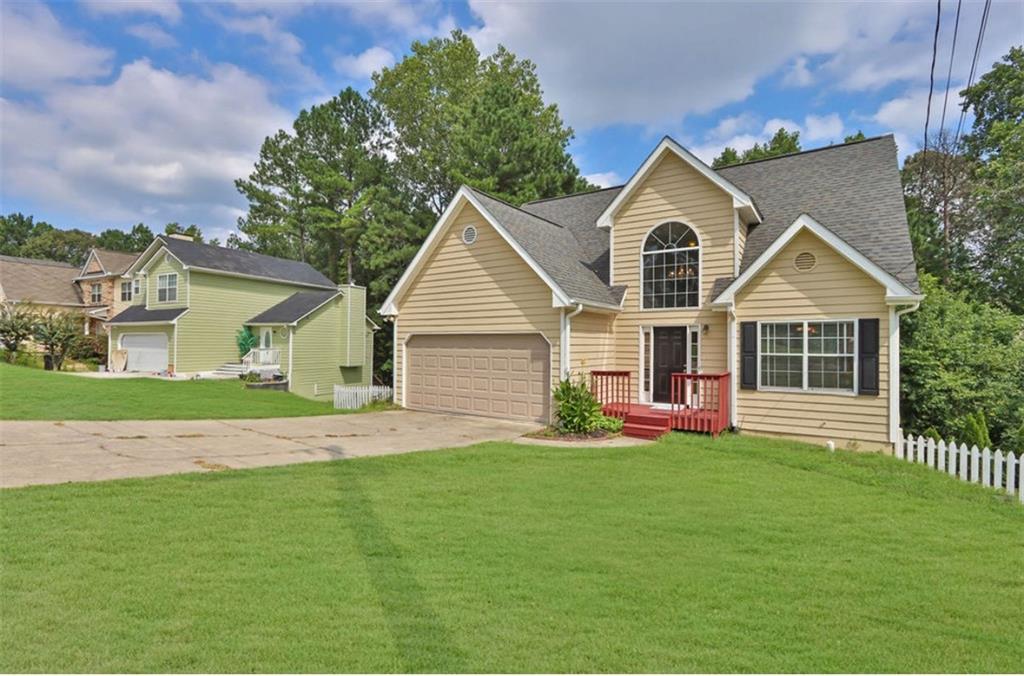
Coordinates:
(894, 368)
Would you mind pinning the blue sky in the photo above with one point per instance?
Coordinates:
(115, 112)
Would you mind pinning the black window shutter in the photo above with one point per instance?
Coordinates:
(867, 356)
(748, 355)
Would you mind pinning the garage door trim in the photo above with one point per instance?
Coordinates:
(406, 365)
(163, 338)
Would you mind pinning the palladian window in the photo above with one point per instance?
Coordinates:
(671, 267)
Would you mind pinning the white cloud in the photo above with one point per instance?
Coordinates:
(165, 9)
(362, 66)
(798, 75)
(604, 179)
(153, 34)
(651, 65)
(37, 51)
(823, 128)
(130, 150)
(282, 48)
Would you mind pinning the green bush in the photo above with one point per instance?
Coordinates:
(610, 424)
(91, 348)
(252, 377)
(975, 431)
(578, 411)
(246, 340)
(961, 355)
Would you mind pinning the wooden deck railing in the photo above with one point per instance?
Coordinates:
(700, 402)
(612, 389)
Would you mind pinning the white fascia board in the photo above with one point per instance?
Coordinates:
(894, 289)
(150, 250)
(165, 251)
(92, 254)
(741, 200)
(390, 308)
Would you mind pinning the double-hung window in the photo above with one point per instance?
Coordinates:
(808, 355)
(126, 291)
(167, 288)
(96, 293)
(136, 287)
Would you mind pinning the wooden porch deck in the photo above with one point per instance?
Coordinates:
(700, 403)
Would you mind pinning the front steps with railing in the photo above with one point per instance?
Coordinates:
(230, 369)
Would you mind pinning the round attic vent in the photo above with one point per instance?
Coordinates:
(469, 235)
(805, 261)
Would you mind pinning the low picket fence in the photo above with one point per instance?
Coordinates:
(350, 397)
(981, 466)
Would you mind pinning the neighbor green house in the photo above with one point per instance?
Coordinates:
(190, 300)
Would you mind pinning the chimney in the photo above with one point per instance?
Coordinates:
(178, 235)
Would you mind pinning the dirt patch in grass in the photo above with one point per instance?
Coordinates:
(211, 466)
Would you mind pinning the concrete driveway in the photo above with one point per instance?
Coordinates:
(55, 452)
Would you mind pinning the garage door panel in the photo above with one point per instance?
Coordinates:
(503, 375)
(145, 351)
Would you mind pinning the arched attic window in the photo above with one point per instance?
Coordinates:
(671, 267)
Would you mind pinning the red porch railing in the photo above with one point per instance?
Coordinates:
(700, 402)
(612, 389)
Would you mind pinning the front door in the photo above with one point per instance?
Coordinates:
(670, 343)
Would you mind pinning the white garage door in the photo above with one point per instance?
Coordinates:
(146, 351)
(505, 376)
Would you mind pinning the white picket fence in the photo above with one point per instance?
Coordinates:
(349, 397)
(995, 470)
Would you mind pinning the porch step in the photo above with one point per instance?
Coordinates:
(230, 369)
(646, 424)
(639, 431)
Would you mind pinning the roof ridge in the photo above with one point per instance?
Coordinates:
(575, 194)
(520, 210)
(834, 146)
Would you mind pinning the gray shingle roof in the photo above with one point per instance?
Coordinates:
(39, 281)
(854, 190)
(293, 308)
(196, 254)
(555, 249)
(134, 314)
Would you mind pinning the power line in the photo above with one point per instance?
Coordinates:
(949, 73)
(974, 66)
(931, 78)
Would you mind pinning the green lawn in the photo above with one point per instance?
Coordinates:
(32, 394)
(688, 555)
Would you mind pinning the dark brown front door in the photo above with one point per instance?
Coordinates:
(669, 358)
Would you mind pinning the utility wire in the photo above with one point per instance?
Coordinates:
(949, 73)
(974, 66)
(931, 78)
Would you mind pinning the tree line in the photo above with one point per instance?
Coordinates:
(22, 235)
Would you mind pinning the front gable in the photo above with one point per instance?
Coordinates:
(163, 263)
(457, 278)
(92, 266)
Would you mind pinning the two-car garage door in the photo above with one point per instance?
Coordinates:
(493, 375)
(145, 351)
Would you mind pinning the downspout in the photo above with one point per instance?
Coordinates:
(291, 342)
(566, 340)
(894, 369)
(731, 350)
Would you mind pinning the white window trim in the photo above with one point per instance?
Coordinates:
(130, 288)
(93, 292)
(805, 389)
(700, 266)
(159, 278)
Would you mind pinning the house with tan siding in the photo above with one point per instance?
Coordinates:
(103, 286)
(763, 297)
(190, 300)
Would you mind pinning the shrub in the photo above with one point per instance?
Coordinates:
(17, 324)
(976, 431)
(579, 412)
(246, 340)
(91, 348)
(252, 377)
(610, 424)
(58, 333)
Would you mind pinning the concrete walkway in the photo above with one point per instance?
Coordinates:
(34, 452)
